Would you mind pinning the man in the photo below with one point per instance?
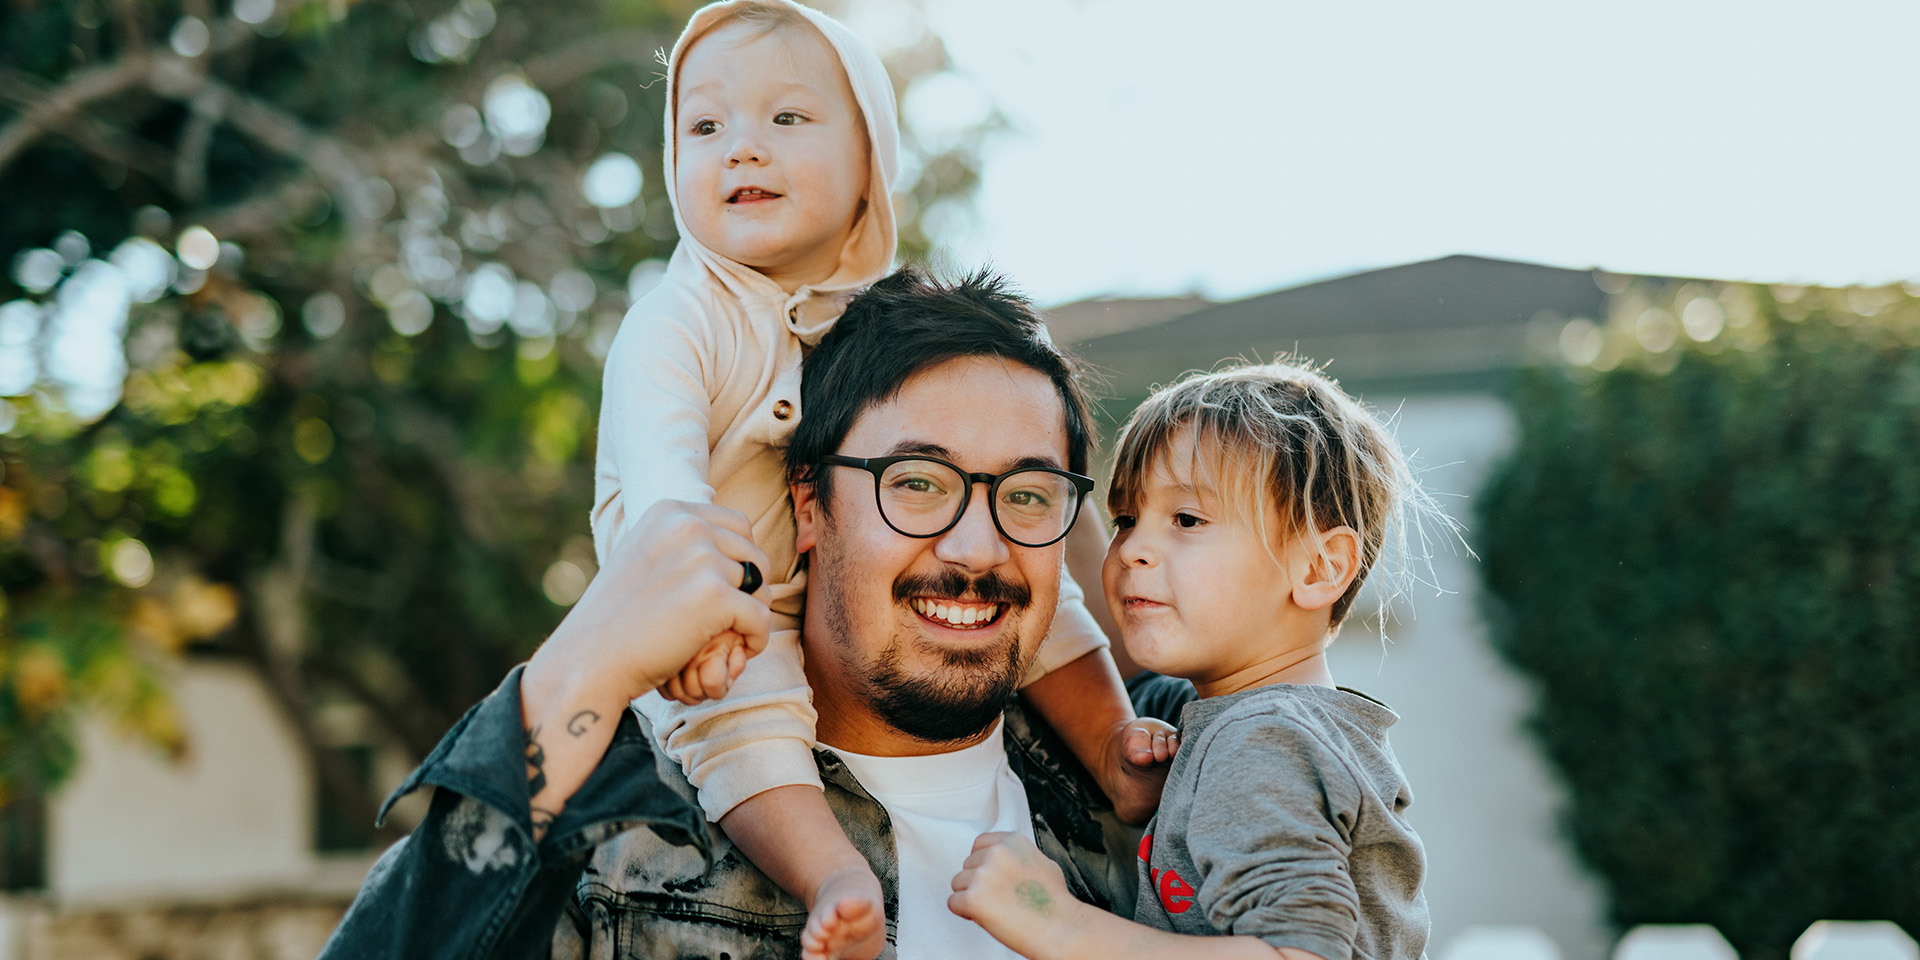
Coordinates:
(942, 432)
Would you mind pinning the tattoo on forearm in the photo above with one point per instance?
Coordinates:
(581, 721)
(542, 819)
(536, 764)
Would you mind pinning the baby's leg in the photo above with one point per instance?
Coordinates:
(791, 835)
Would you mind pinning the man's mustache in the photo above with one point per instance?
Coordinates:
(986, 588)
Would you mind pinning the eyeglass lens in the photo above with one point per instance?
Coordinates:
(923, 497)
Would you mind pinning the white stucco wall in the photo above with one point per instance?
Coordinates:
(1484, 801)
(235, 816)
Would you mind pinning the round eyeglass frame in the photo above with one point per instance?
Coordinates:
(877, 466)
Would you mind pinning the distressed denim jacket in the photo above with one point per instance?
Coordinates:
(632, 870)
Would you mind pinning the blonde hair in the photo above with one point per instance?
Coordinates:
(1283, 435)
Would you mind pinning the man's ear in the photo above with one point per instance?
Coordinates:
(1321, 576)
(806, 515)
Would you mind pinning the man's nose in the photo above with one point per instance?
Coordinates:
(974, 544)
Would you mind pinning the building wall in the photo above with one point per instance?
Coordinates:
(235, 816)
(1484, 801)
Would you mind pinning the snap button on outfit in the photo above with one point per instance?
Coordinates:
(782, 410)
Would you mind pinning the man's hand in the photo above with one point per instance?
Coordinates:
(1139, 752)
(1015, 893)
(670, 588)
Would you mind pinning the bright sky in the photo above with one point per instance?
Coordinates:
(1235, 146)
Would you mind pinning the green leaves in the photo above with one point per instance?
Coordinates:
(1707, 557)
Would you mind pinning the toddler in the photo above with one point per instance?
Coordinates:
(1249, 505)
(781, 149)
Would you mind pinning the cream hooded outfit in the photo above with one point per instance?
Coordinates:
(702, 393)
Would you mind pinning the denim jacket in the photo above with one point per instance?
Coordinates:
(632, 870)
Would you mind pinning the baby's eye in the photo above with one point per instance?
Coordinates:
(1187, 521)
(787, 118)
(1121, 521)
(702, 128)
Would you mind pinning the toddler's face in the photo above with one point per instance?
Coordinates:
(770, 150)
(1193, 588)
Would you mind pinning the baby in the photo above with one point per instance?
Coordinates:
(781, 151)
(1249, 505)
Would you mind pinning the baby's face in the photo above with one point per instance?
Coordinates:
(770, 150)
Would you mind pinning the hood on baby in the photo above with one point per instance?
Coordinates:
(868, 254)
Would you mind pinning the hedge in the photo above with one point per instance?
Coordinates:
(1707, 559)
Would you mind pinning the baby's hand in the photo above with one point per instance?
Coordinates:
(1145, 746)
(1013, 891)
(711, 672)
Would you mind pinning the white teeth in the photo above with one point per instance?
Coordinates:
(955, 614)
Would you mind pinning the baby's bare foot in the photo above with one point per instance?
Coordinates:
(847, 921)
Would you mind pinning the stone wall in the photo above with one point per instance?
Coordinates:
(291, 928)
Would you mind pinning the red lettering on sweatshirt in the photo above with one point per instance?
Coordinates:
(1175, 894)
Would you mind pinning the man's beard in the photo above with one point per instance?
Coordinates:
(964, 699)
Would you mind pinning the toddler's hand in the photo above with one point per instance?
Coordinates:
(712, 671)
(1133, 781)
(1012, 891)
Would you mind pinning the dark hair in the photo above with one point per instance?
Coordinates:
(906, 323)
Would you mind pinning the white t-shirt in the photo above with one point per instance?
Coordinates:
(938, 805)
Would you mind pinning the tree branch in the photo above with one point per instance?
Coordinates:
(100, 139)
(66, 101)
(190, 156)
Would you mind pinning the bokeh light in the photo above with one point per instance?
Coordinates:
(190, 37)
(323, 315)
(517, 114)
(131, 563)
(198, 249)
(614, 180)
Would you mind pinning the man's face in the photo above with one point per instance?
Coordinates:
(887, 641)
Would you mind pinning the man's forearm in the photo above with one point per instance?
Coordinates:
(569, 721)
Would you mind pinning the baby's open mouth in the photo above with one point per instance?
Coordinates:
(750, 194)
(960, 614)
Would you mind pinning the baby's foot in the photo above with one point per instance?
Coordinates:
(847, 921)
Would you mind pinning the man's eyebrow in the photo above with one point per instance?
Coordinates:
(925, 448)
(921, 447)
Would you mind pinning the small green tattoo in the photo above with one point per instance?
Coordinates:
(1034, 896)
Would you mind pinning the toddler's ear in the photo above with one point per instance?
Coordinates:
(1321, 576)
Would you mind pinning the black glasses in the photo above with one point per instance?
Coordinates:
(923, 497)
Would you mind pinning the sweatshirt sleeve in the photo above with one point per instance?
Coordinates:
(1274, 837)
(757, 737)
(655, 413)
(1074, 633)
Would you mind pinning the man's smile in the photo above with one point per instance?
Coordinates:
(962, 614)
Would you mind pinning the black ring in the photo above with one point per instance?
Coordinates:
(749, 577)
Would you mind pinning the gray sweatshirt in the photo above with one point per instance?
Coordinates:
(1285, 818)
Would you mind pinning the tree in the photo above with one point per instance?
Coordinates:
(327, 404)
(1704, 553)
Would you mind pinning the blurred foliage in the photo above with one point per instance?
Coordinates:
(1706, 552)
(327, 405)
